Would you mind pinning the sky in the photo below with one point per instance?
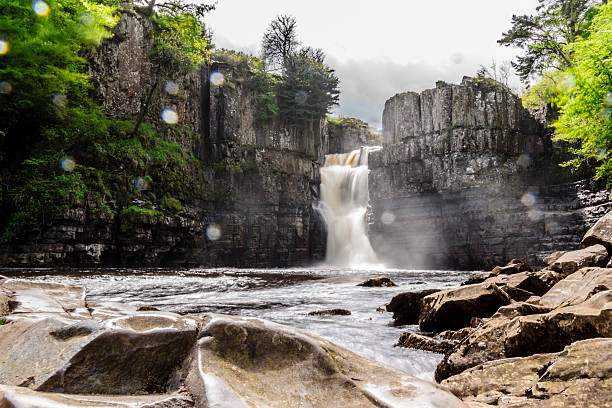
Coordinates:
(380, 48)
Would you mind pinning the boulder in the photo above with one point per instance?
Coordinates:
(381, 281)
(600, 233)
(5, 299)
(581, 375)
(20, 397)
(330, 312)
(578, 287)
(520, 309)
(525, 281)
(245, 362)
(514, 266)
(134, 354)
(406, 307)
(33, 297)
(454, 308)
(570, 262)
(550, 259)
(420, 342)
(506, 336)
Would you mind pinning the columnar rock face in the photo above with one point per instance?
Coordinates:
(466, 179)
(246, 196)
(350, 134)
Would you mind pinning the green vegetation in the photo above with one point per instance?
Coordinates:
(568, 44)
(59, 149)
(585, 101)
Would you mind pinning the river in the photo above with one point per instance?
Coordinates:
(283, 296)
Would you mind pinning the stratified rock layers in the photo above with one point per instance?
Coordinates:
(466, 180)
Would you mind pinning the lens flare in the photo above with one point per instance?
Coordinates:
(140, 184)
(86, 19)
(213, 232)
(169, 116)
(387, 218)
(217, 78)
(171, 88)
(41, 8)
(5, 47)
(5, 87)
(535, 215)
(67, 164)
(59, 100)
(552, 227)
(301, 97)
(528, 199)
(524, 160)
(569, 81)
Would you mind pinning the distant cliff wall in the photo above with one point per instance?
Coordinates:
(467, 179)
(244, 198)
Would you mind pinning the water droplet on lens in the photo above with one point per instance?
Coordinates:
(524, 160)
(387, 218)
(140, 184)
(213, 232)
(41, 8)
(59, 100)
(606, 113)
(535, 215)
(169, 116)
(4, 47)
(301, 97)
(553, 227)
(456, 58)
(528, 199)
(5, 87)
(67, 164)
(607, 99)
(86, 19)
(217, 78)
(171, 88)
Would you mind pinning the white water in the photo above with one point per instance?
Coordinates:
(344, 206)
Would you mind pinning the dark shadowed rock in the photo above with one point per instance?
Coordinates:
(147, 309)
(270, 365)
(126, 355)
(580, 376)
(454, 308)
(379, 282)
(330, 312)
(420, 342)
(526, 281)
(506, 336)
(570, 262)
(600, 233)
(406, 307)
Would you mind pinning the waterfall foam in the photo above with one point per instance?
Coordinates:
(344, 206)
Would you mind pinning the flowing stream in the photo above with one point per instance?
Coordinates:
(344, 206)
(284, 296)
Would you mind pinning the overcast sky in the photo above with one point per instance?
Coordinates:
(380, 48)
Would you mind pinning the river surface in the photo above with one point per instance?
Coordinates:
(283, 296)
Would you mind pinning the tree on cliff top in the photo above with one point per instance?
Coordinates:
(544, 36)
(280, 41)
(585, 97)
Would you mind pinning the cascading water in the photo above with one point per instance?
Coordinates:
(344, 205)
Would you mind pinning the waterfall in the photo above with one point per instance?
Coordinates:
(344, 205)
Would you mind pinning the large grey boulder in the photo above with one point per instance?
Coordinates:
(243, 362)
(581, 375)
(570, 262)
(134, 354)
(20, 397)
(600, 233)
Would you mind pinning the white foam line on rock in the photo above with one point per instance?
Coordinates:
(218, 393)
(35, 401)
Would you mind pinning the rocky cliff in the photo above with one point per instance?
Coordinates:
(242, 196)
(468, 179)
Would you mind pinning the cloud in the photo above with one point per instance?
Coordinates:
(366, 84)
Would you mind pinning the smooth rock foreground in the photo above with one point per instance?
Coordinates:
(60, 352)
